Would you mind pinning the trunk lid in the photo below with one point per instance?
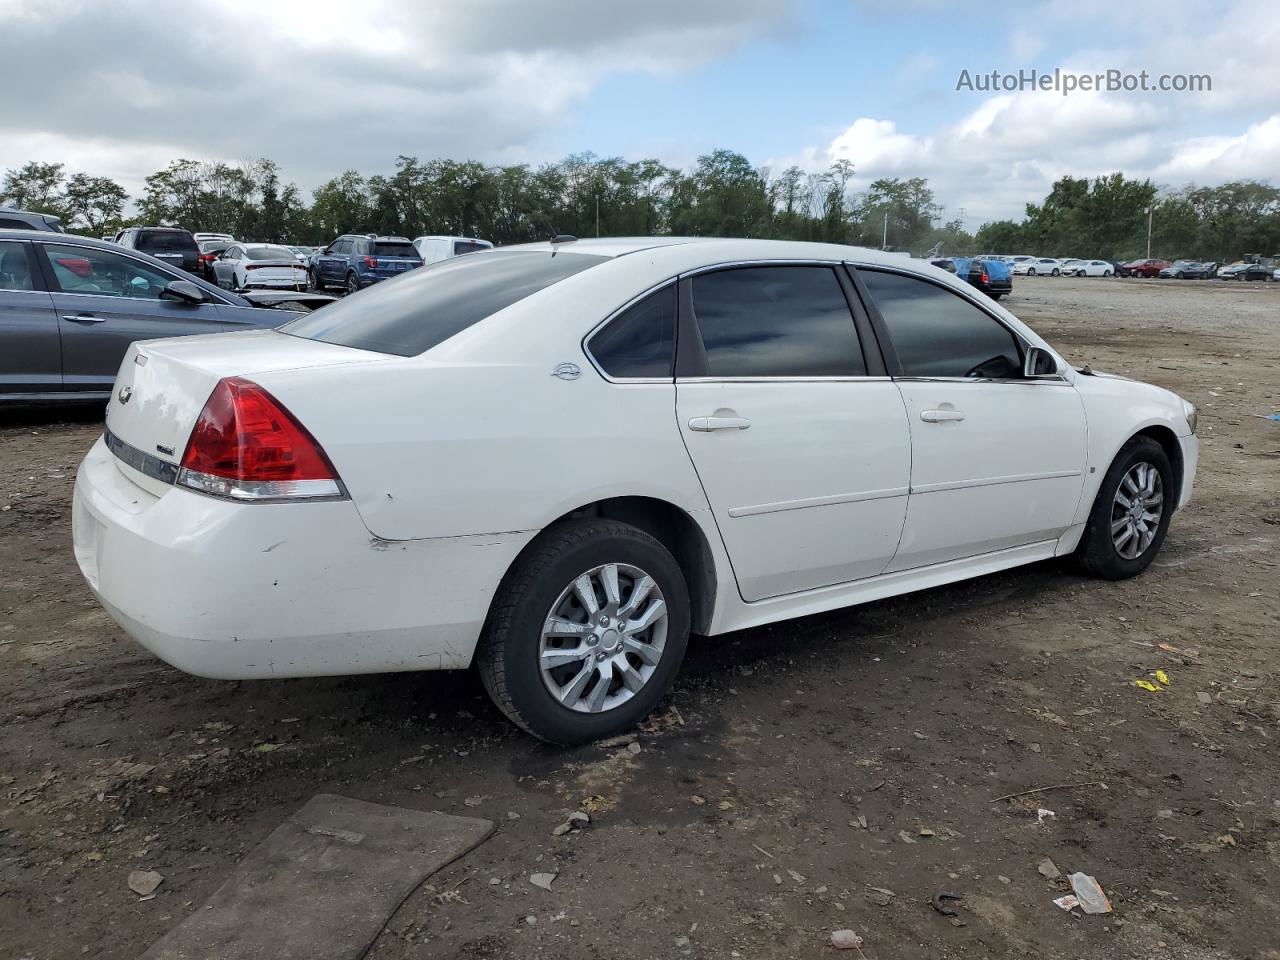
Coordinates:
(162, 386)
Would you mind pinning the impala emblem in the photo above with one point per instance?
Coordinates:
(124, 395)
(567, 371)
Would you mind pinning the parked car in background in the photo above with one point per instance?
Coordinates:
(1040, 266)
(27, 220)
(1255, 271)
(1069, 266)
(201, 237)
(1019, 258)
(1186, 270)
(1093, 268)
(72, 306)
(992, 275)
(209, 251)
(355, 261)
(1145, 268)
(435, 249)
(390, 483)
(173, 245)
(248, 266)
(304, 254)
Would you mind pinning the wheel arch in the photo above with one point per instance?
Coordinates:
(671, 526)
(1168, 441)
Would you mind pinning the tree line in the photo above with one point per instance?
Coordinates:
(722, 195)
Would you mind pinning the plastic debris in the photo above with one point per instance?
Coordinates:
(1146, 685)
(1043, 814)
(845, 940)
(1069, 902)
(1162, 677)
(1089, 892)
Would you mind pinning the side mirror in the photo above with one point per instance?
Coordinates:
(183, 291)
(1039, 362)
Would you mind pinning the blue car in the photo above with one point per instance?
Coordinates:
(70, 307)
(991, 275)
(355, 261)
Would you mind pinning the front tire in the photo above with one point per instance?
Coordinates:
(1056, 271)
(353, 283)
(586, 632)
(313, 277)
(1130, 516)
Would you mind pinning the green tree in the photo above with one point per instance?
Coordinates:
(94, 203)
(37, 187)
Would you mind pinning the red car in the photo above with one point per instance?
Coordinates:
(1143, 268)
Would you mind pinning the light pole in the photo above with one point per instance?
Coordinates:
(884, 240)
(1150, 213)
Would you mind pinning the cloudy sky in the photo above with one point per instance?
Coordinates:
(121, 88)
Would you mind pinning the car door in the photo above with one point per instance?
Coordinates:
(105, 300)
(799, 438)
(997, 458)
(333, 264)
(30, 353)
(224, 268)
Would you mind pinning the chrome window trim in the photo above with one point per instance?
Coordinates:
(1025, 381)
(11, 290)
(669, 282)
(126, 253)
(867, 379)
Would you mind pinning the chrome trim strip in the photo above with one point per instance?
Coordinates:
(10, 290)
(783, 380)
(992, 481)
(144, 463)
(827, 501)
(1049, 379)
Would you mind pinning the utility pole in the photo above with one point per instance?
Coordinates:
(1150, 214)
(884, 240)
(597, 213)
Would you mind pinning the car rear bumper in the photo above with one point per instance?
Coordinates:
(246, 591)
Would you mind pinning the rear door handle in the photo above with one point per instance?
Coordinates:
(940, 416)
(707, 424)
(84, 318)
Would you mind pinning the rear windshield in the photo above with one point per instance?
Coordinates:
(214, 246)
(467, 246)
(416, 311)
(173, 241)
(269, 253)
(391, 248)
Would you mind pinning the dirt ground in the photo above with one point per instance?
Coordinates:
(833, 772)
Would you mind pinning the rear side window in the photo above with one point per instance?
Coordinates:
(422, 308)
(466, 246)
(938, 333)
(776, 322)
(15, 266)
(167, 241)
(640, 341)
(8, 223)
(387, 248)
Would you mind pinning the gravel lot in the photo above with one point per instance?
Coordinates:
(833, 772)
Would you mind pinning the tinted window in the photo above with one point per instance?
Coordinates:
(87, 270)
(466, 246)
(392, 248)
(938, 333)
(640, 341)
(168, 241)
(269, 253)
(421, 308)
(15, 269)
(214, 246)
(776, 322)
(7, 223)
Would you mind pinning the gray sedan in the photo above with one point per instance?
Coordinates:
(70, 306)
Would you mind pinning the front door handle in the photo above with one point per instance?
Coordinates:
(84, 318)
(940, 416)
(707, 424)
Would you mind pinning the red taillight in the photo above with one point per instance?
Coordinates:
(208, 257)
(246, 446)
(985, 278)
(370, 261)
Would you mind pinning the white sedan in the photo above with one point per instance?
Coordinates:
(246, 266)
(556, 461)
(1093, 268)
(1040, 266)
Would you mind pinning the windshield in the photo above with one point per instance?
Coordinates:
(416, 311)
(268, 253)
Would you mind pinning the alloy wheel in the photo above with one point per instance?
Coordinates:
(603, 638)
(1136, 510)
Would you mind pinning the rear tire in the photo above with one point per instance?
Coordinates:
(1104, 549)
(592, 697)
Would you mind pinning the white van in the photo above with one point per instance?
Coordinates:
(433, 249)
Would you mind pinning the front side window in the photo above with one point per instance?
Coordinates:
(640, 341)
(938, 333)
(100, 272)
(422, 308)
(15, 268)
(776, 322)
